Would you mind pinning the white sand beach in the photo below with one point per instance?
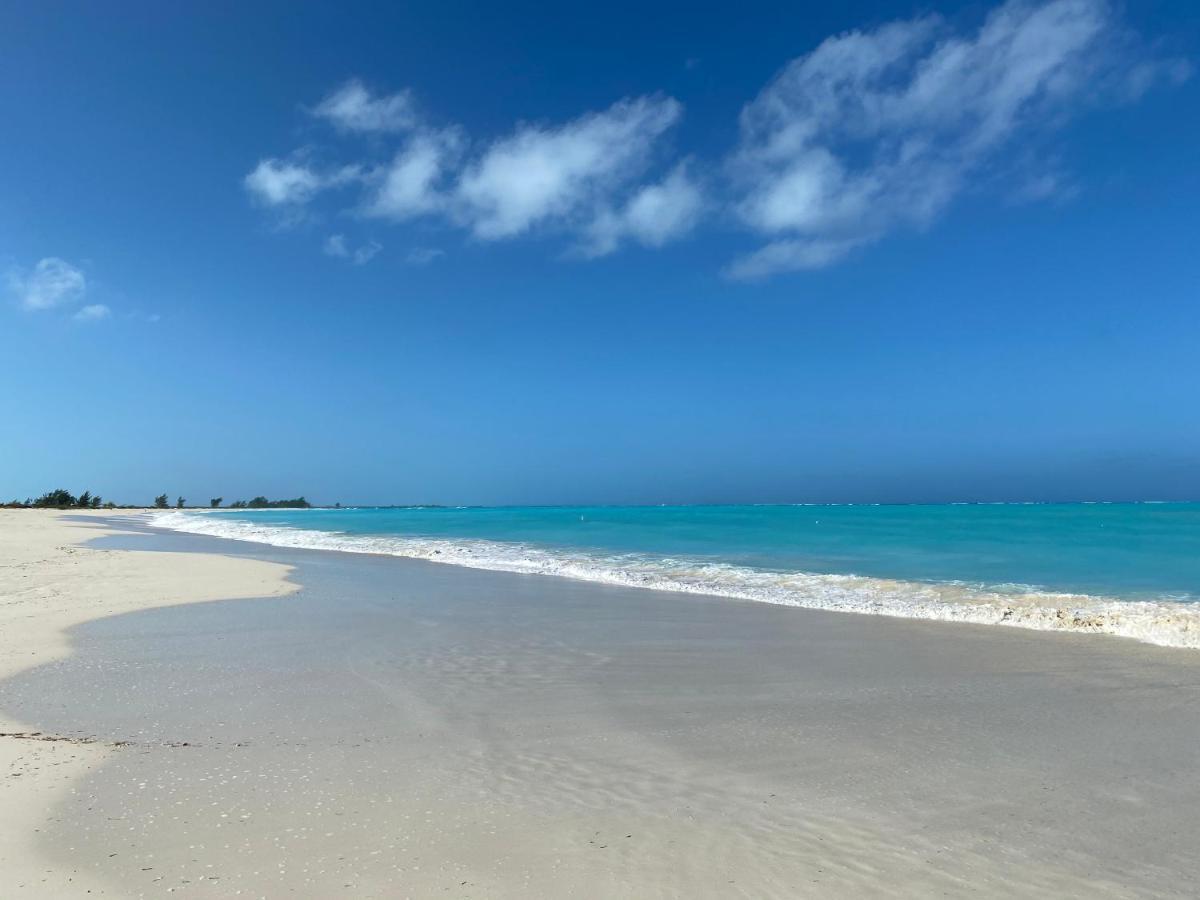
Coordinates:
(402, 729)
(48, 583)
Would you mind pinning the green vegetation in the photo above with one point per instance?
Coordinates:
(64, 499)
(59, 498)
(263, 503)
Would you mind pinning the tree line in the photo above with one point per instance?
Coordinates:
(264, 503)
(64, 499)
(259, 502)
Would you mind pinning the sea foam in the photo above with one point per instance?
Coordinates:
(1165, 623)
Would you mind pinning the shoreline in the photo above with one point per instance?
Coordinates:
(1163, 623)
(403, 728)
(49, 585)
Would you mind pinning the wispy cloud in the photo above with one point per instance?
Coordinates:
(93, 312)
(52, 282)
(580, 177)
(366, 253)
(286, 186)
(873, 131)
(654, 215)
(423, 256)
(882, 129)
(352, 107)
(412, 183)
(336, 245)
(561, 174)
(277, 182)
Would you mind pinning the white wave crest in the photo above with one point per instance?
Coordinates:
(1166, 623)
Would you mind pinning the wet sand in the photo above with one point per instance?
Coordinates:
(48, 584)
(399, 728)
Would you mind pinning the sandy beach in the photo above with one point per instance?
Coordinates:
(342, 725)
(49, 584)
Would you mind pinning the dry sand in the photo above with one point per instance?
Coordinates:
(404, 729)
(47, 585)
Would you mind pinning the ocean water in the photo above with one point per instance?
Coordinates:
(1131, 570)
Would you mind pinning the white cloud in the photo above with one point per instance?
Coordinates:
(366, 253)
(801, 253)
(52, 282)
(291, 183)
(335, 245)
(92, 313)
(560, 174)
(423, 256)
(877, 130)
(276, 182)
(1043, 184)
(579, 176)
(410, 185)
(872, 132)
(654, 215)
(352, 108)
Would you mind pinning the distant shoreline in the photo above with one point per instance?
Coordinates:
(320, 506)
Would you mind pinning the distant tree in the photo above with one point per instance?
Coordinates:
(96, 502)
(238, 504)
(215, 502)
(179, 503)
(59, 498)
(261, 502)
(85, 500)
(109, 505)
(160, 502)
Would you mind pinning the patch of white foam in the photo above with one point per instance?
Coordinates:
(1166, 623)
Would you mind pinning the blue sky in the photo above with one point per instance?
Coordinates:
(630, 253)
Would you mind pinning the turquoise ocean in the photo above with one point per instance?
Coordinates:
(1129, 569)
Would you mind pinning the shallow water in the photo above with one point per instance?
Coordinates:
(1124, 569)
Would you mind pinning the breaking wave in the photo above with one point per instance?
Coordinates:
(1165, 623)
